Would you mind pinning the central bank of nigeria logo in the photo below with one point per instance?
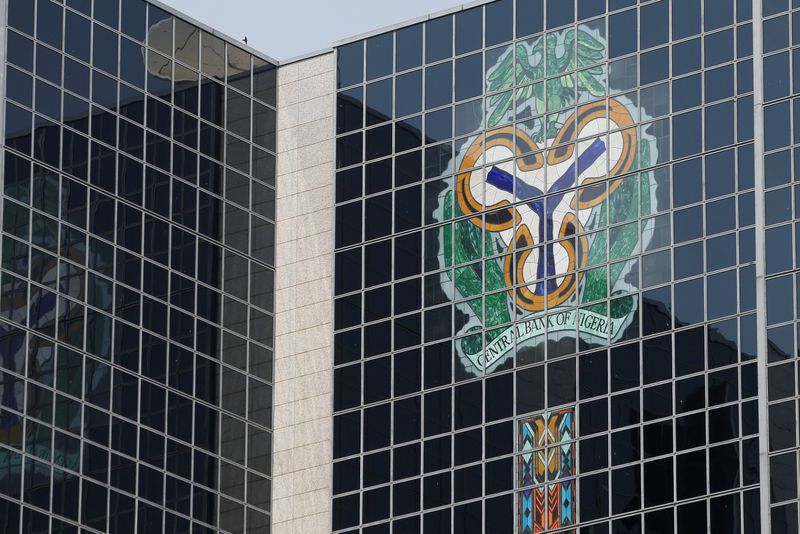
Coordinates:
(537, 195)
(546, 276)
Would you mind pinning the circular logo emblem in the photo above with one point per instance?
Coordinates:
(538, 200)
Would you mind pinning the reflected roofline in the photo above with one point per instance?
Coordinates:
(359, 37)
(217, 33)
(410, 22)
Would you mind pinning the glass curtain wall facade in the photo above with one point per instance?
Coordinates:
(137, 276)
(781, 134)
(545, 280)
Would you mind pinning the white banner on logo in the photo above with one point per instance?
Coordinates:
(588, 322)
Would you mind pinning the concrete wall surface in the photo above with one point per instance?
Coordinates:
(304, 287)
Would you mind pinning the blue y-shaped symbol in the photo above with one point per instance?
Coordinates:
(505, 182)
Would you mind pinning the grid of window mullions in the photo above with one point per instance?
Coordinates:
(172, 55)
(667, 117)
(136, 503)
(703, 410)
(152, 214)
(734, 196)
(91, 188)
(142, 378)
(675, 161)
(780, 218)
(675, 499)
(202, 122)
(610, 465)
(739, 20)
(643, 288)
(119, 283)
(145, 111)
(143, 126)
(678, 329)
(120, 320)
(113, 412)
(606, 61)
(145, 211)
(644, 218)
(222, 248)
(139, 207)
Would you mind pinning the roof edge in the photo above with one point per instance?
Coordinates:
(305, 56)
(217, 33)
(410, 22)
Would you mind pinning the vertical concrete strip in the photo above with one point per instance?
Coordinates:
(304, 287)
(761, 283)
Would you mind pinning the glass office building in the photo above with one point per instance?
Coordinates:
(780, 70)
(136, 325)
(547, 282)
(522, 266)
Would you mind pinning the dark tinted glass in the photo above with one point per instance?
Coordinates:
(77, 36)
(777, 68)
(621, 33)
(409, 93)
(378, 142)
(438, 85)
(655, 24)
(20, 15)
(771, 7)
(590, 8)
(687, 92)
(438, 39)
(379, 102)
(530, 17)
(686, 57)
(48, 100)
(718, 14)
(685, 18)
(559, 13)
(19, 86)
(408, 48)
(132, 67)
(499, 17)
(379, 56)
(718, 47)
(469, 76)
(133, 18)
(408, 134)
(438, 125)
(469, 30)
(18, 128)
(49, 23)
(350, 64)
(20, 51)
(613, 5)
(688, 182)
(378, 176)
(689, 141)
(654, 65)
(108, 12)
(719, 83)
(104, 50)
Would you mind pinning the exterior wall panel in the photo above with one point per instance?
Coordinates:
(137, 318)
(545, 287)
(303, 297)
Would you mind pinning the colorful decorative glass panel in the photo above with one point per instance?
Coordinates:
(547, 447)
